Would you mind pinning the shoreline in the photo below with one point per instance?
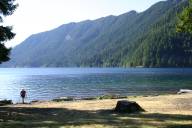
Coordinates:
(179, 103)
(101, 97)
(114, 96)
(164, 104)
(151, 103)
(162, 111)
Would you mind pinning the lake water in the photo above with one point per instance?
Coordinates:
(50, 83)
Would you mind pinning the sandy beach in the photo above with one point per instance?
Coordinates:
(166, 104)
(164, 111)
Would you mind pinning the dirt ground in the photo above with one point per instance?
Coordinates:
(165, 111)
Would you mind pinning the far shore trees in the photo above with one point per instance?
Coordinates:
(7, 7)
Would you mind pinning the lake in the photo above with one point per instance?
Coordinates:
(50, 83)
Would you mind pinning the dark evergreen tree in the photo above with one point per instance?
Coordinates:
(7, 7)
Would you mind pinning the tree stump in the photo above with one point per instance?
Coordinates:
(125, 106)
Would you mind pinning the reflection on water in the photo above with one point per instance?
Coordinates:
(49, 83)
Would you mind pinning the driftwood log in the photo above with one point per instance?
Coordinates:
(184, 91)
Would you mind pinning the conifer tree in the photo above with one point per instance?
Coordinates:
(7, 8)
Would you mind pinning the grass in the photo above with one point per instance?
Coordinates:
(173, 111)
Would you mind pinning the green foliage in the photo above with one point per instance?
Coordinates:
(162, 46)
(185, 19)
(7, 7)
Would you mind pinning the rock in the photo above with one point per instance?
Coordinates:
(5, 102)
(125, 106)
(63, 99)
(109, 96)
(35, 101)
(184, 91)
(89, 98)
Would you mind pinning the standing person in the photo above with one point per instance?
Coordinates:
(23, 95)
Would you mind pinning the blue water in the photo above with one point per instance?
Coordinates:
(50, 83)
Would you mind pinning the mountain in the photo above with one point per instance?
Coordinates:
(145, 39)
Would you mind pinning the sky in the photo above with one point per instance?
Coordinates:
(34, 16)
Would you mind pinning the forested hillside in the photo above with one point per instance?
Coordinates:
(145, 39)
(162, 46)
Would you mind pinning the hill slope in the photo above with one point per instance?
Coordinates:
(131, 39)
